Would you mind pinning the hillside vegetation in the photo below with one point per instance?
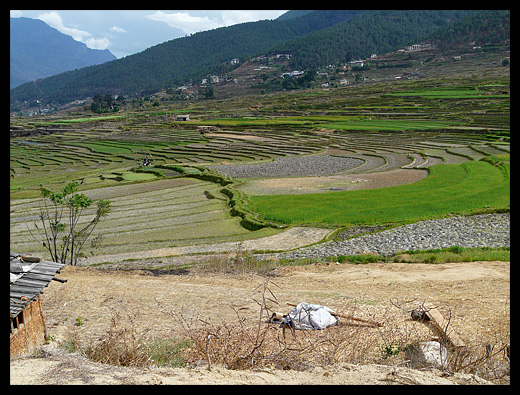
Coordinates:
(314, 39)
(373, 32)
(174, 62)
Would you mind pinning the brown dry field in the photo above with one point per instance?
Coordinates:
(340, 182)
(476, 293)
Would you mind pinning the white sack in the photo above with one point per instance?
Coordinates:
(311, 316)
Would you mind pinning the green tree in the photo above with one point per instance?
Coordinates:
(104, 103)
(60, 213)
(207, 92)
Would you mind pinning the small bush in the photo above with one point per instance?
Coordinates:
(167, 352)
(456, 249)
(121, 346)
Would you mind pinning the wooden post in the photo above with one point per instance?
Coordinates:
(442, 325)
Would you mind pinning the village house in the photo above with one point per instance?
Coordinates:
(28, 276)
(414, 47)
(357, 63)
(294, 73)
(417, 47)
(184, 117)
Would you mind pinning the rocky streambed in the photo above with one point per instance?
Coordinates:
(487, 230)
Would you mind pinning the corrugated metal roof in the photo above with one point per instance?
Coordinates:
(27, 280)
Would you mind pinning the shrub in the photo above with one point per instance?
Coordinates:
(121, 346)
(456, 249)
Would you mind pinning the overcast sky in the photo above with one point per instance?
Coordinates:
(125, 32)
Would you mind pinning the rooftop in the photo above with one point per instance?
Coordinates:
(28, 276)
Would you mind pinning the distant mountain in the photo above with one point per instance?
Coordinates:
(38, 50)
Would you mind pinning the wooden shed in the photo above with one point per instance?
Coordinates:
(28, 276)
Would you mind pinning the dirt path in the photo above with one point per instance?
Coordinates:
(476, 293)
(60, 368)
(289, 239)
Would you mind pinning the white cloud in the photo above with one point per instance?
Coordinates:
(195, 21)
(232, 17)
(125, 31)
(98, 43)
(184, 21)
(54, 20)
(118, 29)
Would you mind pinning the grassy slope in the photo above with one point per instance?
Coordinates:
(449, 189)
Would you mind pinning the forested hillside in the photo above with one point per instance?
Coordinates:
(177, 61)
(484, 28)
(367, 33)
(314, 39)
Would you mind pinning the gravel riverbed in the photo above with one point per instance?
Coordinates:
(488, 230)
(292, 166)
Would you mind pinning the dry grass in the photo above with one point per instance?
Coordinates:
(256, 342)
(252, 342)
(235, 314)
(122, 345)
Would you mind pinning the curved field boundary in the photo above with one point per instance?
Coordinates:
(448, 190)
(289, 239)
(447, 157)
(467, 152)
(372, 162)
(393, 161)
(487, 150)
(430, 161)
(417, 160)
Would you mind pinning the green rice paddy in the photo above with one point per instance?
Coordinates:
(448, 190)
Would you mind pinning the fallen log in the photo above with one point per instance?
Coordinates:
(442, 325)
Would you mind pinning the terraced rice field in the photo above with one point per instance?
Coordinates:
(164, 213)
(448, 189)
(305, 137)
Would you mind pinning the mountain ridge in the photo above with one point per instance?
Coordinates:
(165, 64)
(38, 51)
(317, 37)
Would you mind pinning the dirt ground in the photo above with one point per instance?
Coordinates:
(341, 182)
(476, 293)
